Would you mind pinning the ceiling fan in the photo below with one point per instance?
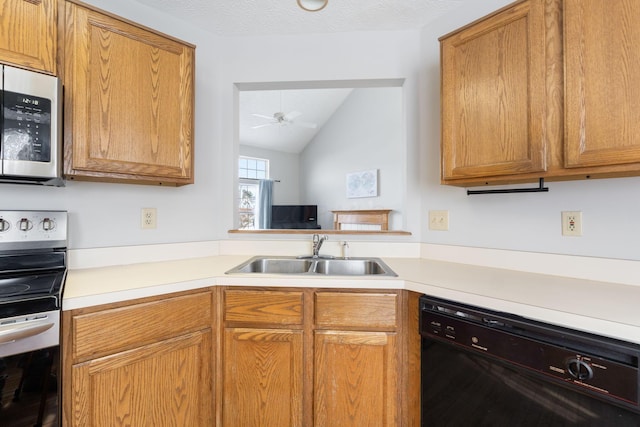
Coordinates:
(282, 119)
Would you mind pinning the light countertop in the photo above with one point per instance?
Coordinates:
(608, 309)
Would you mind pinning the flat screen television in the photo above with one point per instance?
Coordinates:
(294, 216)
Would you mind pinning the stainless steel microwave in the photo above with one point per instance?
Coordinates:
(31, 127)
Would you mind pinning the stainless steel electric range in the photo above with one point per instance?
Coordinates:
(33, 266)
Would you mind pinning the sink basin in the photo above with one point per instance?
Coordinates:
(314, 266)
(274, 266)
(350, 267)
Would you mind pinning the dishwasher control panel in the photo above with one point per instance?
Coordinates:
(607, 369)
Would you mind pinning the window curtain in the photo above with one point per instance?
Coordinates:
(264, 205)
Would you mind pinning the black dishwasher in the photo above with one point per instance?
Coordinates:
(487, 368)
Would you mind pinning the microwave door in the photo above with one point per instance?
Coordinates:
(30, 124)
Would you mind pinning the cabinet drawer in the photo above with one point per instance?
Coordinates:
(263, 307)
(356, 310)
(112, 330)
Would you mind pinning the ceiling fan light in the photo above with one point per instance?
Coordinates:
(312, 5)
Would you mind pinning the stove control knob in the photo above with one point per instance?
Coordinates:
(25, 225)
(48, 224)
(579, 369)
(4, 225)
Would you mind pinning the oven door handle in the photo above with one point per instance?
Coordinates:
(15, 333)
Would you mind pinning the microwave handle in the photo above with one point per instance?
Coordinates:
(16, 333)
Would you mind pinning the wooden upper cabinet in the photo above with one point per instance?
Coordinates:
(129, 101)
(493, 104)
(602, 59)
(28, 34)
(543, 89)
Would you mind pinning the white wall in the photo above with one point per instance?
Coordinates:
(526, 222)
(365, 133)
(283, 167)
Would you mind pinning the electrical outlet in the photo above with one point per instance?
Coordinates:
(572, 223)
(439, 220)
(149, 216)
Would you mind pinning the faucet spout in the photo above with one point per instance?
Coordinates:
(317, 244)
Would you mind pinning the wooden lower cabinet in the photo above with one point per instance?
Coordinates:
(262, 361)
(356, 379)
(159, 384)
(141, 363)
(263, 377)
(318, 357)
(240, 356)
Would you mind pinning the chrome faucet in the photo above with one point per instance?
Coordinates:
(317, 244)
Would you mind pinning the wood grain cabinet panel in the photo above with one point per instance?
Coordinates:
(28, 34)
(162, 384)
(542, 89)
(356, 379)
(356, 359)
(129, 101)
(146, 362)
(263, 307)
(263, 377)
(263, 358)
(493, 101)
(602, 56)
(356, 310)
(111, 330)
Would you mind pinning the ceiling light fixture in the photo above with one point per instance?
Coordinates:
(312, 5)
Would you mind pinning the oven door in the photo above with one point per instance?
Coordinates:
(30, 125)
(461, 388)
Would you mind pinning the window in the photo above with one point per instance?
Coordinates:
(250, 170)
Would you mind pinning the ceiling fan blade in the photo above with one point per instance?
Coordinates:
(262, 116)
(305, 125)
(292, 115)
(261, 126)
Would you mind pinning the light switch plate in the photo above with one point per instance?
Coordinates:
(439, 220)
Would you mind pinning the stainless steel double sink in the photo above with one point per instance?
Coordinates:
(314, 266)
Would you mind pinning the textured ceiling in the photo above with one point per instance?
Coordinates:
(271, 17)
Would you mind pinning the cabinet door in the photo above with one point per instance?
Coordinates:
(493, 97)
(163, 384)
(28, 33)
(602, 54)
(356, 379)
(263, 377)
(129, 101)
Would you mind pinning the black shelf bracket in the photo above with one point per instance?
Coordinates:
(539, 189)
